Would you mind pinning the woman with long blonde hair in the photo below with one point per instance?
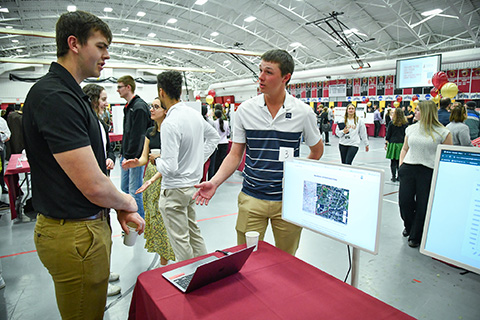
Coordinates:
(351, 132)
(417, 160)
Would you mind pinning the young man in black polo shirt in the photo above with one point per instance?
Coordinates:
(67, 158)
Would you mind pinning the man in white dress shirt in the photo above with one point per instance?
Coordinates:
(187, 142)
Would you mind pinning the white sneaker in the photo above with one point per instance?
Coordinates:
(2, 283)
(113, 290)
(113, 277)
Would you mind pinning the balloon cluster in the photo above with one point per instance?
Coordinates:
(209, 98)
(447, 89)
(367, 101)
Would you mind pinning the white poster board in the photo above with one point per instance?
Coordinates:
(117, 119)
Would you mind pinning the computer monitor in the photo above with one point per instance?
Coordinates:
(452, 224)
(339, 201)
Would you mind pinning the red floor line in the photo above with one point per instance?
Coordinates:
(16, 254)
(225, 215)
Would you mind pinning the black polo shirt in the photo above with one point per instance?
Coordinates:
(57, 117)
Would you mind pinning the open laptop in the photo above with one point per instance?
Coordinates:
(208, 270)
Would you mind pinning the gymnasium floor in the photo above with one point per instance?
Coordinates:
(398, 275)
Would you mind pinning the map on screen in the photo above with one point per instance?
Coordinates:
(339, 201)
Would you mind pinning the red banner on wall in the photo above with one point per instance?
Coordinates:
(372, 86)
(475, 82)
(464, 80)
(314, 89)
(356, 87)
(325, 89)
(452, 76)
(389, 85)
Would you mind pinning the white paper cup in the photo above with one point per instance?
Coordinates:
(252, 239)
(155, 151)
(130, 238)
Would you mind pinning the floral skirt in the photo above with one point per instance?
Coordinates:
(155, 233)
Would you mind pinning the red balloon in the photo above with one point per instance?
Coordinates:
(434, 92)
(415, 98)
(212, 93)
(366, 100)
(439, 79)
(197, 97)
(399, 99)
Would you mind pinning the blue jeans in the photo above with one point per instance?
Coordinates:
(130, 181)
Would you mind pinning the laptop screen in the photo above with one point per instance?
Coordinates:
(339, 201)
(452, 225)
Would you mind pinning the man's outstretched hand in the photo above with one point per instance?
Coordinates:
(205, 192)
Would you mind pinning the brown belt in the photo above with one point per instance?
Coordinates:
(102, 214)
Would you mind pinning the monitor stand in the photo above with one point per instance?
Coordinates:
(355, 267)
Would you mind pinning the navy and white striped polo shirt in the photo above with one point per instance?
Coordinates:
(264, 136)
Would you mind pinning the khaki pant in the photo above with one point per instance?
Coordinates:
(253, 215)
(178, 212)
(77, 255)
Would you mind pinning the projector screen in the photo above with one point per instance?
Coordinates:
(339, 201)
(452, 225)
(417, 72)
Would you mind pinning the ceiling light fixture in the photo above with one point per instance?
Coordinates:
(125, 29)
(19, 50)
(214, 34)
(172, 20)
(432, 12)
(14, 40)
(152, 35)
(200, 2)
(250, 19)
(136, 45)
(170, 52)
(5, 10)
(141, 14)
(72, 8)
(108, 9)
(295, 44)
(9, 27)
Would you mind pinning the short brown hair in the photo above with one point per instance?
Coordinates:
(128, 81)
(80, 24)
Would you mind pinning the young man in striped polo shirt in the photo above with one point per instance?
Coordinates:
(270, 127)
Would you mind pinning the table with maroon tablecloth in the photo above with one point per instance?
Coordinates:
(271, 285)
(11, 178)
(114, 137)
(370, 129)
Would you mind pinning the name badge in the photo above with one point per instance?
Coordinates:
(285, 154)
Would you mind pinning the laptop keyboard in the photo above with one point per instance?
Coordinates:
(184, 281)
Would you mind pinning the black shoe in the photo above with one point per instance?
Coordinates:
(413, 244)
(4, 205)
(393, 179)
(405, 233)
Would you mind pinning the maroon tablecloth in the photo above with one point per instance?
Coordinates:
(11, 179)
(271, 285)
(115, 137)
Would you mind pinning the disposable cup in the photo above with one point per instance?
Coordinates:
(130, 238)
(155, 151)
(252, 239)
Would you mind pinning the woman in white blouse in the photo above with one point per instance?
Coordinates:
(351, 132)
(417, 160)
